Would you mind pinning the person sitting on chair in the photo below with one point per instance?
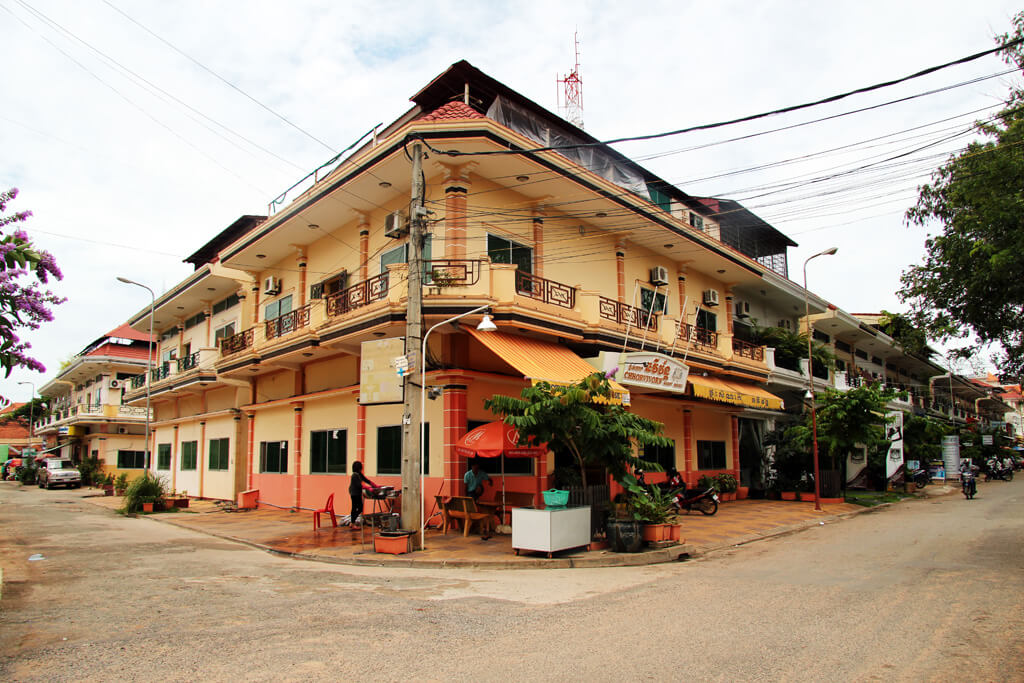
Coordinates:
(355, 492)
(475, 479)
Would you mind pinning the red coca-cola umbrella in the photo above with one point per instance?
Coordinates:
(495, 439)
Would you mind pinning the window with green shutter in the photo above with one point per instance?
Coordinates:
(189, 449)
(218, 457)
(163, 456)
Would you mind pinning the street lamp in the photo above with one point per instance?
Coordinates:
(31, 413)
(486, 325)
(149, 356)
(810, 378)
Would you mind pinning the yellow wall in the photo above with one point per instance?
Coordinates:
(274, 424)
(342, 371)
(220, 483)
(275, 386)
(334, 413)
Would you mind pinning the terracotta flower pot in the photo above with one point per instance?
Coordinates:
(789, 495)
(741, 492)
(147, 507)
(392, 542)
(653, 533)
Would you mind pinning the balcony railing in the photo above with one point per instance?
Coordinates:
(699, 336)
(357, 296)
(236, 342)
(138, 381)
(624, 314)
(160, 372)
(747, 350)
(548, 291)
(289, 322)
(188, 362)
(451, 272)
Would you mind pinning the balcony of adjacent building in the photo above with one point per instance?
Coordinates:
(174, 377)
(88, 413)
(375, 307)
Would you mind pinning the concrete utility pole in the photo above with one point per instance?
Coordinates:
(411, 457)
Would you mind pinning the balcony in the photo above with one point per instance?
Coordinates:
(189, 362)
(624, 314)
(546, 291)
(237, 342)
(90, 412)
(355, 297)
(195, 366)
(451, 272)
(747, 350)
(700, 337)
(287, 323)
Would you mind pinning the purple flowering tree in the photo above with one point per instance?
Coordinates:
(24, 304)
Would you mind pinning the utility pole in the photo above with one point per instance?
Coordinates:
(412, 464)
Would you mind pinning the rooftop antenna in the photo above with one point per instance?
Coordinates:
(570, 95)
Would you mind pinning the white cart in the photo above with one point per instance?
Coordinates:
(551, 529)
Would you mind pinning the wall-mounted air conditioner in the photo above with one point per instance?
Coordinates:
(114, 384)
(710, 297)
(122, 430)
(272, 286)
(742, 309)
(659, 275)
(396, 225)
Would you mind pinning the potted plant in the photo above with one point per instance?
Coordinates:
(106, 482)
(652, 507)
(143, 490)
(121, 483)
(727, 486)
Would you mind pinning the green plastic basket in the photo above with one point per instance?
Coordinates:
(555, 498)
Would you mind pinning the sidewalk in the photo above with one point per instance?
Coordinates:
(291, 533)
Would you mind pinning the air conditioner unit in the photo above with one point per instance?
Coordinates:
(396, 225)
(114, 384)
(710, 297)
(272, 285)
(659, 275)
(742, 309)
(785, 324)
(122, 430)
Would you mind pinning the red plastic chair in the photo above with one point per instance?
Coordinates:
(328, 508)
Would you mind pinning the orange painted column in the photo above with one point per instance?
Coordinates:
(256, 303)
(688, 463)
(174, 459)
(251, 449)
(364, 249)
(538, 243)
(200, 455)
(455, 203)
(620, 270)
(681, 275)
(735, 446)
(540, 481)
(297, 441)
(361, 433)
(728, 311)
(302, 277)
(455, 425)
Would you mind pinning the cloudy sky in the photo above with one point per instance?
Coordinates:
(136, 130)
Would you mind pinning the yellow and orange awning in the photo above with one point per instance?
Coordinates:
(543, 361)
(734, 392)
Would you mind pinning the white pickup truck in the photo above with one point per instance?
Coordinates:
(58, 472)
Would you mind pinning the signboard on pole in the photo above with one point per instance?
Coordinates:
(951, 455)
(894, 429)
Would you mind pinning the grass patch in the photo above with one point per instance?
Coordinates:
(873, 498)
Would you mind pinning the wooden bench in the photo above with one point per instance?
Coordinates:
(513, 499)
(465, 509)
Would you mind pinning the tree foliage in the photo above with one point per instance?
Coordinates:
(580, 421)
(847, 420)
(22, 306)
(972, 277)
(901, 328)
(790, 347)
(922, 437)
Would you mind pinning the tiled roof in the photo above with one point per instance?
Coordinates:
(13, 430)
(121, 351)
(453, 111)
(126, 332)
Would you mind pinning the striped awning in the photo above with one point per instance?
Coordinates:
(734, 392)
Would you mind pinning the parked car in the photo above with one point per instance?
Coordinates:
(58, 472)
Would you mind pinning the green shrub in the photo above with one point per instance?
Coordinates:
(708, 482)
(121, 483)
(144, 489)
(726, 482)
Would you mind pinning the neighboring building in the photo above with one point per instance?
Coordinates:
(87, 417)
(14, 433)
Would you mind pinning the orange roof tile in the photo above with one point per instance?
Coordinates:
(126, 332)
(453, 111)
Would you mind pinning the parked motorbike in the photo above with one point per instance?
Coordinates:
(920, 477)
(994, 469)
(968, 483)
(696, 499)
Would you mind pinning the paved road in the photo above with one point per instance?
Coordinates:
(928, 590)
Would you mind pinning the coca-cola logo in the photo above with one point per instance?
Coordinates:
(474, 436)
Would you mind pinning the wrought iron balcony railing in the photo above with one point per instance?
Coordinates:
(548, 291)
(747, 350)
(138, 381)
(188, 362)
(289, 322)
(699, 336)
(452, 272)
(160, 372)
(357, 296)
(236, 342)
(624, 314)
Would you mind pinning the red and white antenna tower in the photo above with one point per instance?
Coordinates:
(570, 100)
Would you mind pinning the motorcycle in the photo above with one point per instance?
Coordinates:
(696, 499)
(994, 469)
(920, 477)
(968, 483)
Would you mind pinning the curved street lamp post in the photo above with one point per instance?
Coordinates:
(810, 378)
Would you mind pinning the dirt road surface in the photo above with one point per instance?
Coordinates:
(929, 590)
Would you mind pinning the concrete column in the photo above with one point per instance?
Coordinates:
(174, 458)
(620, 270)
(201, 455)
(456, 189)
(455, 425)
(301, 263)
(728, 311)
(364, 248)
(361, 433)
(538, 242)
(688, 464)
(297, 441)
(735, 423)
(250, 448)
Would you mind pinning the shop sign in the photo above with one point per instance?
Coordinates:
(650, 370)
(379, 381)
(894, 429)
